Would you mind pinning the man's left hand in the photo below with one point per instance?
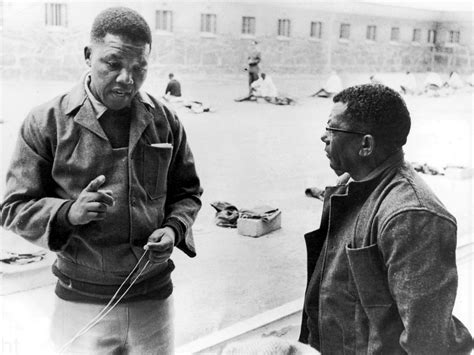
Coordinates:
(161, 244)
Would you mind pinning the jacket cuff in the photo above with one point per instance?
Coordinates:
(60, 227)
(178, 227)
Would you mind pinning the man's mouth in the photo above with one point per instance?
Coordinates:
(121, 93)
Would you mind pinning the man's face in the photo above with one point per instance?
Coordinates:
(118, 69)
(341, 148)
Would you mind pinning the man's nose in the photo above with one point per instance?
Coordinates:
(125, 77)
(324, 137)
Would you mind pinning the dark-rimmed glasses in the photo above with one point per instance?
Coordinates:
(331, 130)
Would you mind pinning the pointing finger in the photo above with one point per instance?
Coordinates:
(95, 184)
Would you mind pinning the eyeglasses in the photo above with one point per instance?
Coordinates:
(331, 130)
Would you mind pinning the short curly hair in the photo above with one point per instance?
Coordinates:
(377, 110)
(121, 21)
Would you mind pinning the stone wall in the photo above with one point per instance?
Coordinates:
(59, 55)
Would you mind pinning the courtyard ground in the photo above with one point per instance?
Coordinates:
(250, 154)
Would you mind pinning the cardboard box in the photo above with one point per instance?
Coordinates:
(257, 227)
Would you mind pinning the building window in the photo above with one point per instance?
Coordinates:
(431, 36)
(454, 36)
(284, 26)
(316, 30)
(395, 34)
(55, 15)
(371, 33)
(416, 35)
(208, 23)
(248, 25)
(164, 20)
(345, 31)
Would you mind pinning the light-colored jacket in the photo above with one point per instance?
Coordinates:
(382, 273)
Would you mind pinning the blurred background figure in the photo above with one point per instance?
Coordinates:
(408, 84)
(254, 59)
(333, 86)
(454, 82)
(173, 89)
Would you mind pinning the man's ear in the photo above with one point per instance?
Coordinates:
(367, 146)
(87, 55)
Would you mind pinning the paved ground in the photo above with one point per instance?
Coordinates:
(250, 154)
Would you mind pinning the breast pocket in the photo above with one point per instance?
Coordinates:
(156, 162)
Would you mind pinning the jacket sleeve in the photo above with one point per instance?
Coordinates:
(419, 248)
(184, 191)
(29, 206)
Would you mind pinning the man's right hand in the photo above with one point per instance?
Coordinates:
(92, 203)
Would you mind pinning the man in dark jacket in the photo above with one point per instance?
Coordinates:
(104, 177)
(382, 273)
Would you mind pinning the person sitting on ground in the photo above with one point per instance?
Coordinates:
(432, 84)
(333, 86)
(264, 87)
(454, 82)
(173, 89)
(408, 84)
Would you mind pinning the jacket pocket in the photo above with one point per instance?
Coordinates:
(156, 161)
(377, 312)
(369, 276)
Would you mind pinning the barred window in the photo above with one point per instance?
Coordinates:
(345, 31)
(431, 36)
(284, 27)
(208, 23)
(371, 33)
(395, 34)
(416, 35)
(164, 20)
(55, 14)
(454, 36)
(248, 25)
(316, 29)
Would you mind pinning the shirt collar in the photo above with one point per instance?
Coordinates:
(99, 108)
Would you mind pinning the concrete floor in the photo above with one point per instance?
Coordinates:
(250, 154)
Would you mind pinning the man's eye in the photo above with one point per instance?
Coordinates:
(140, 69)
(113, 65)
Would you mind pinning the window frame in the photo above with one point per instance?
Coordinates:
(344, 28)
(284, 28)
(208, 24)
(416, 35)
(371, 33)
(55, 15)
(168, 16)
(249, 24)
(316, 30)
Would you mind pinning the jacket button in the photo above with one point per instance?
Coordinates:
(133, 203)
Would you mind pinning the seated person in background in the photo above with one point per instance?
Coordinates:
(333, 86)
(408, 84)
(433, 83)
(173, 89)
(264, 87)
(454, 82)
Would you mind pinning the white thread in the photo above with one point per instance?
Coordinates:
(101, 315)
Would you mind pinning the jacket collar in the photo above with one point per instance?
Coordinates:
(80, 107)
(346, 186)
(78, 95)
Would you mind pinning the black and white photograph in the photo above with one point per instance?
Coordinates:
(236, 177)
